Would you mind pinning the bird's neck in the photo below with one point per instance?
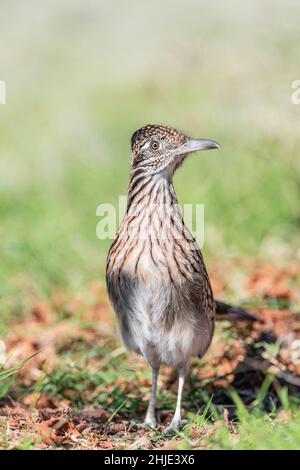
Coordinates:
(152, 192)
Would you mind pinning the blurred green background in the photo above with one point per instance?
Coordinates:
(81, 77)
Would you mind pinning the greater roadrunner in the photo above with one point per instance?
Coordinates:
(156, 276)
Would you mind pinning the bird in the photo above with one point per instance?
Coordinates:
(156, 277)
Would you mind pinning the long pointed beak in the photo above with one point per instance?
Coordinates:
(196, 145)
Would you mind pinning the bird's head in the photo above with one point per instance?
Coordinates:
(158, 149)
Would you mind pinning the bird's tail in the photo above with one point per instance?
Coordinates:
(231, 313)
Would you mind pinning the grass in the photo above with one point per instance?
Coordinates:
(77, 90)
(9, 373)
(91, 371)
(65, 146)
(4, 374)
(257, 430)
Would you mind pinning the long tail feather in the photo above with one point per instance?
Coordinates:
(231, 313)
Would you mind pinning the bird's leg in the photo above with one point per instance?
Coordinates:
(150, 419)
(177, 422)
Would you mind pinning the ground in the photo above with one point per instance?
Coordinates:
(83, 391)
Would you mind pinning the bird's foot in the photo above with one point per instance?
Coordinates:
(175, 425)
(148, 423)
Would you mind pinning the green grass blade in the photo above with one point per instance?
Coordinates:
(7, 373)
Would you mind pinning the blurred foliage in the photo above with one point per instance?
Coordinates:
(82, 77)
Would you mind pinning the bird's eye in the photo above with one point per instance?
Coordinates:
(154, 145)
